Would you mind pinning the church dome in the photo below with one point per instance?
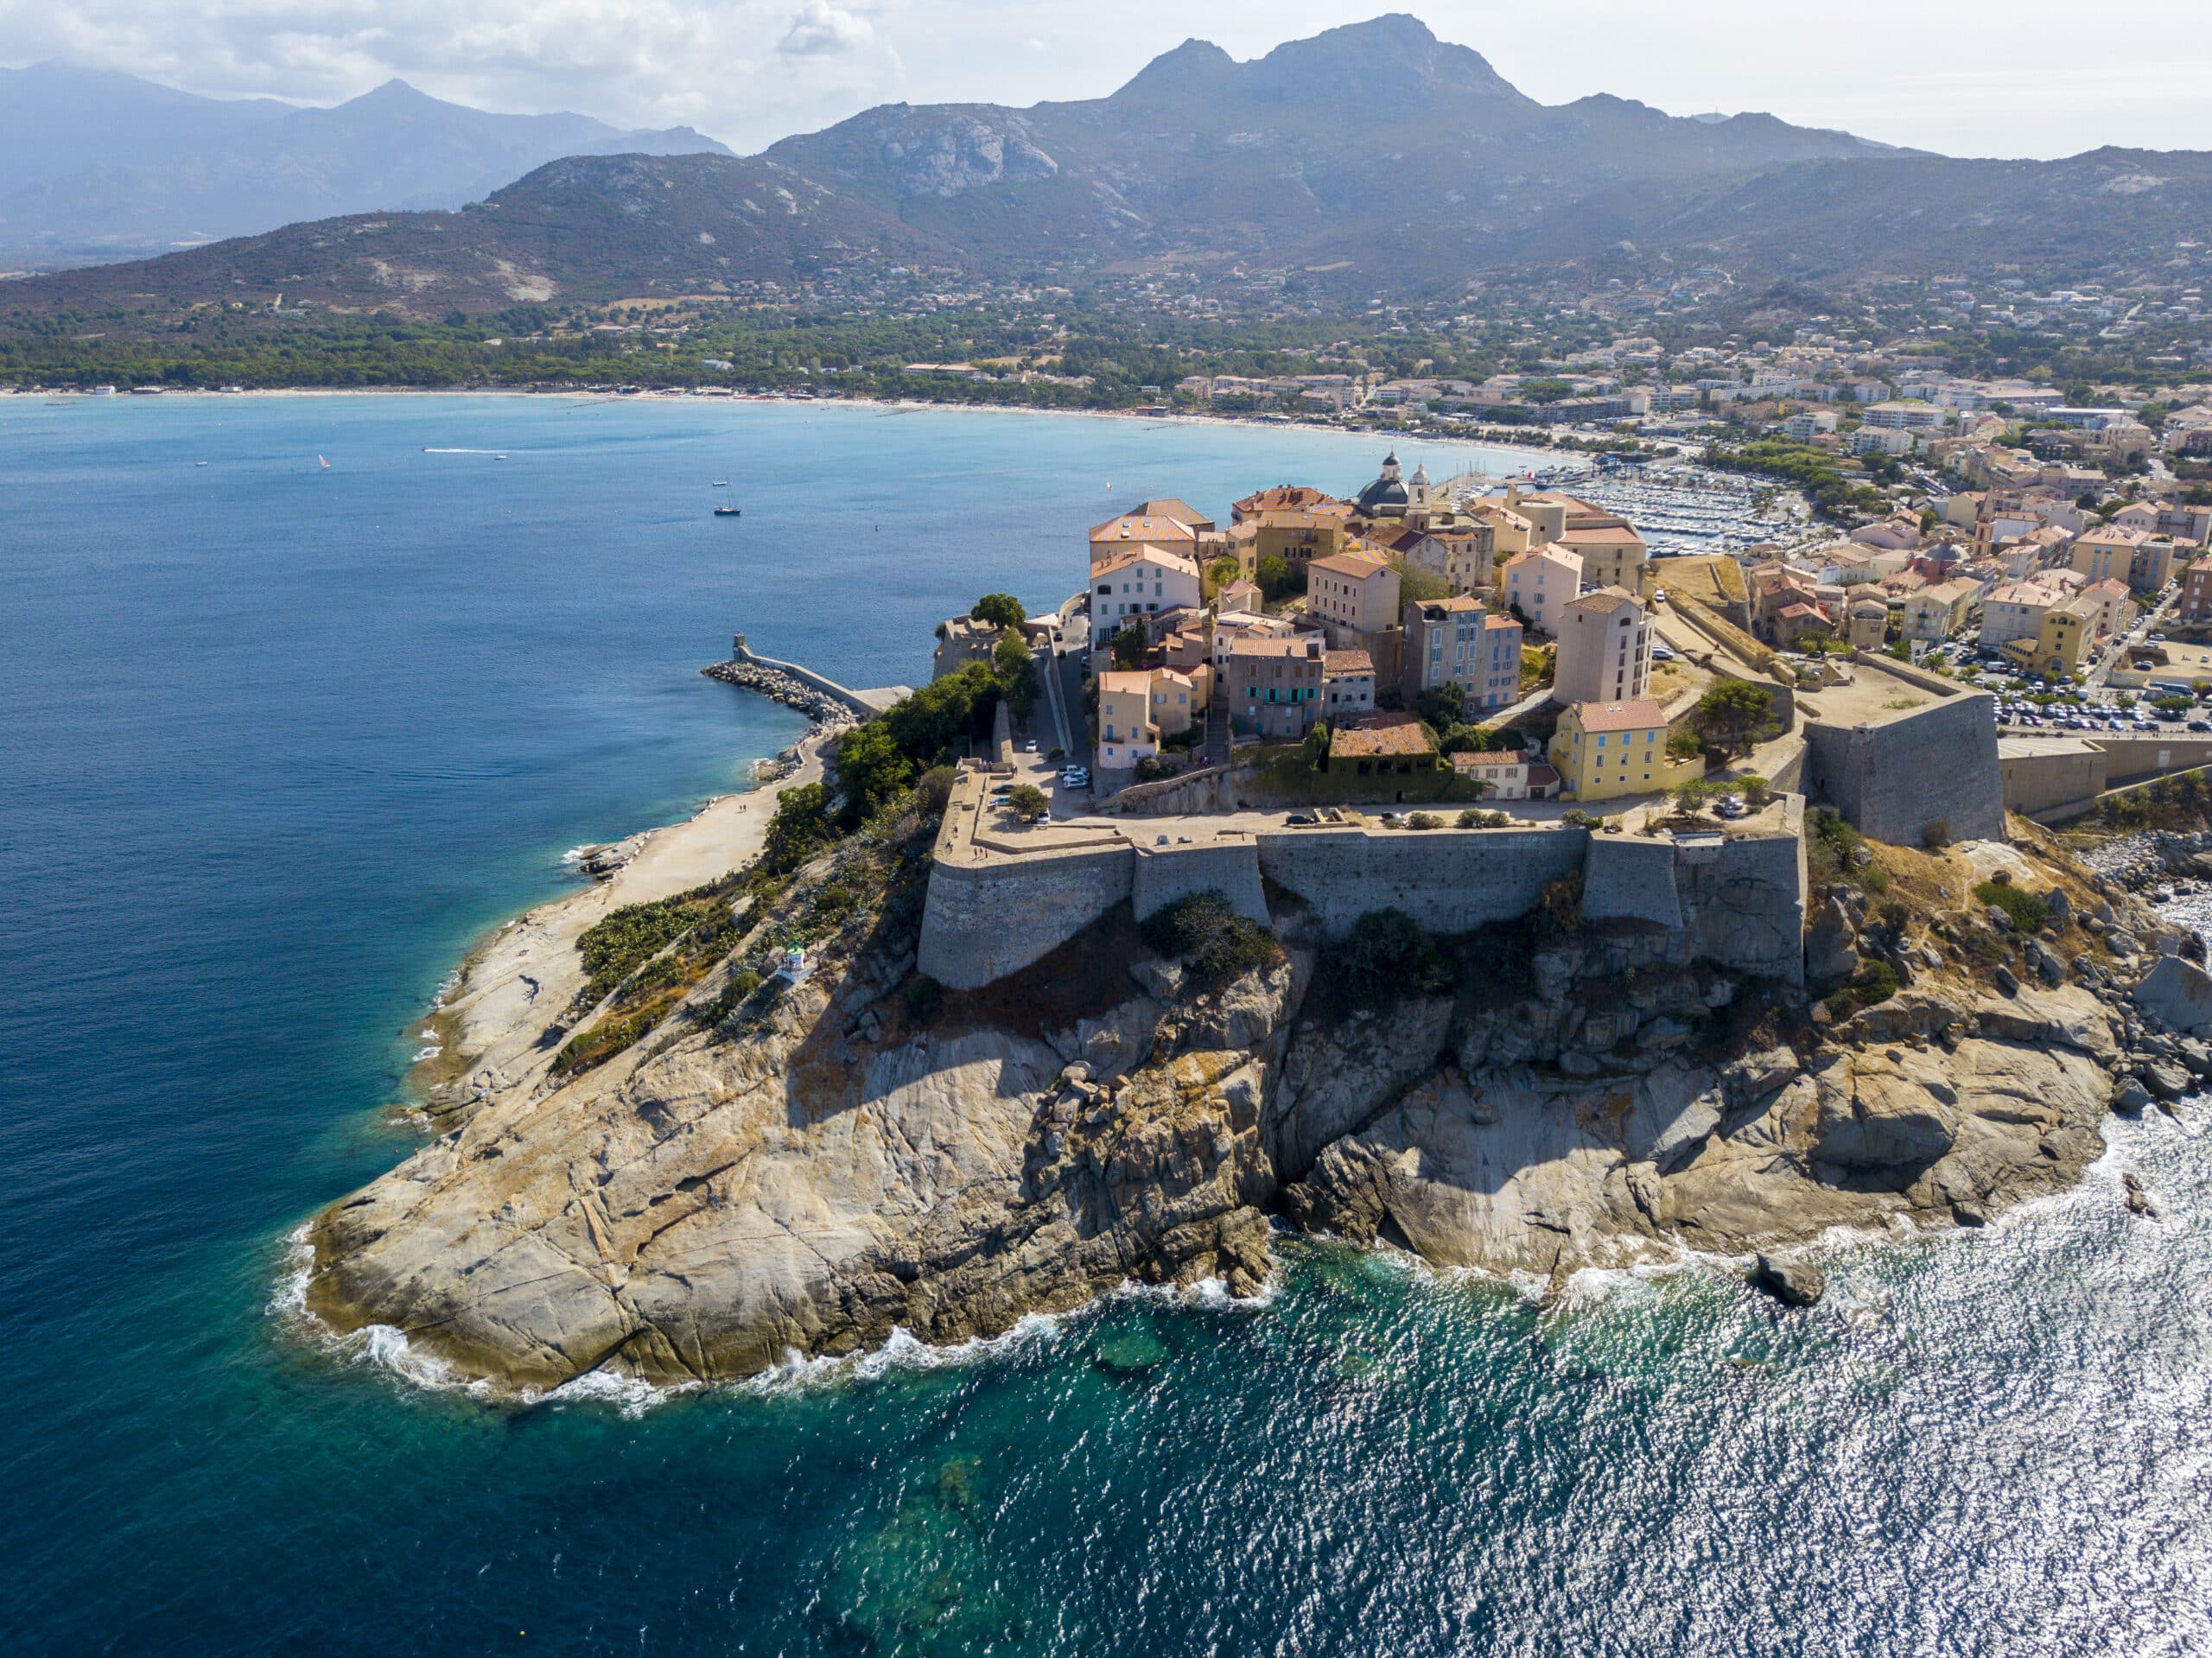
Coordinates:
(1387, 492)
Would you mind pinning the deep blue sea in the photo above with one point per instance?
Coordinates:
(277, 741)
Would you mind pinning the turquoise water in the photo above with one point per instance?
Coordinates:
(276, 742)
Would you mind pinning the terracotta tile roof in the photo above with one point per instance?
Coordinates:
(1639, 714)
(1352, 565)
(1142, 526)
(1336, 663)
(1386, 734)
(1123, 557)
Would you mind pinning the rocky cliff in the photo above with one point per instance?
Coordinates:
(799, 1167)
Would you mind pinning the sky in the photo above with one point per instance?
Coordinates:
(1963, 77)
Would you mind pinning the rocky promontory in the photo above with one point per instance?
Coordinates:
(795, 1155)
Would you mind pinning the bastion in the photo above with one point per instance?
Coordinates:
(1002, 897)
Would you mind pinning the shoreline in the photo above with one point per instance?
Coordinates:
(1539, 444)
(517, 978)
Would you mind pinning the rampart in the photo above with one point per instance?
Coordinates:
(998, 902)
(1893, 777)
(1449, 881)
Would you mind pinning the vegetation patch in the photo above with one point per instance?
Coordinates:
(1212, 941)
(2029, 913)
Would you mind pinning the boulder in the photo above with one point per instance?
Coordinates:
(2061, 910)
(1886, 1113)
(2178, 995)
(1829, 957)
(1793, 1283)
(2166, 1080)
(2130, 1097)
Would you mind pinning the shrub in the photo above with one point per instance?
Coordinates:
(934, 789)
(925, 995)
(1559, 905)
(1213, 941)
(1028, 802)
(2029, 913)
(1875, 981)
(1756, 791)
(1385, 955)
(1576, 817)
(1424, 821)
(1734, 714)
(1831, 844)
(1682, 744)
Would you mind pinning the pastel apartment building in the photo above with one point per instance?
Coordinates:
(1274, 686)
(1352, 593)
(2196, 591)
(1540, 583)
(1140, 580)
(1460, 641)
(2016, 611)
(1603, 750)
(2107, 553)
(1138, 710)
(1347, 684)
(1604, 649)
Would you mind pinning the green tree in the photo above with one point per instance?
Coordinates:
(798, 830)
(1131, 646)
(871, 770)
(1028, 802)
(1734, 714)
(1279, 578)
(1000, 609)
(1017, 672)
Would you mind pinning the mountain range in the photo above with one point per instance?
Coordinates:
(95, 165)
(1373, 160)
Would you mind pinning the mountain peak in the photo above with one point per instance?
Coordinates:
(1389, 57)
(1190, 66)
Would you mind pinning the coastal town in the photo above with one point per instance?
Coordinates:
(1425, 645)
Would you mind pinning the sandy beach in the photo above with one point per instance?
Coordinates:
(520, 976)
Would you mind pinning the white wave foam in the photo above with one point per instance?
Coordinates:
(430, 1053)
(631, 1395)
(903, 1350)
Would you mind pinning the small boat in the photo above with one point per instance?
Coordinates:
(727, 512)
(199, 463)
(721, 483)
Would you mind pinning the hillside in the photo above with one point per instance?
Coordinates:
(587, 228)
(107, 165)
(1371, 161)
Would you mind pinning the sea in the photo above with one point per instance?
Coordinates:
(298, 695)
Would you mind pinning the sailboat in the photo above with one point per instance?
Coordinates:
(326, 464)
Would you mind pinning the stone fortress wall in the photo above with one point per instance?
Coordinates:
(1737, 901)
(1895, 776)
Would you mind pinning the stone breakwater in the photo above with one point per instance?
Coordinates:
(825, 711)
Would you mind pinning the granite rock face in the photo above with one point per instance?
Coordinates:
(805, 1178)
(804, 1189)
(2178, 995)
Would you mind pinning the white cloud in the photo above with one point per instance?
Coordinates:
(821, 29)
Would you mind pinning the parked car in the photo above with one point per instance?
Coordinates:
(1301, 819)
(1730, 806)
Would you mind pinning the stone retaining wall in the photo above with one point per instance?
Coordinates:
(1449, 881)
(1164, 874)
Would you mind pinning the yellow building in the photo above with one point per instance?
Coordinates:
(2062, 646)
(1605, 750)
(1138, 711)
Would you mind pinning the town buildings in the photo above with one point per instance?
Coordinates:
(1352, 594)
(1138, 711)
(1604, 649)
(1605, 750)
(1540, 583)
(1460, 641)
(1347, 684)
(1273, 685)
(1138, 580)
